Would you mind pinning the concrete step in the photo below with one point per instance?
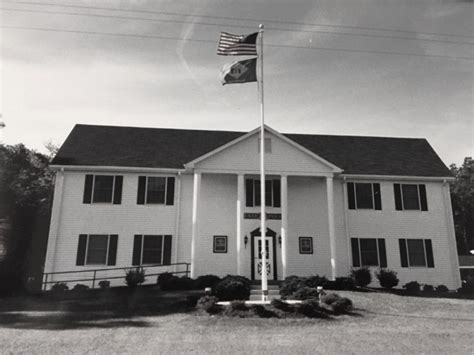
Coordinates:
(259, 297)
(270, 292)
(269, 287)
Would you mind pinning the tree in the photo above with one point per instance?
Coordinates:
(462, 198)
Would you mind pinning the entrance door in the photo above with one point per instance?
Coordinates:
(257, 258)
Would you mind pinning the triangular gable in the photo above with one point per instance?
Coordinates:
(242, 154)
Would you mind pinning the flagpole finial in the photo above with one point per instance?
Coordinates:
(261, 26)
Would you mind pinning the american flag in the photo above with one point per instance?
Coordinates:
(230, 44)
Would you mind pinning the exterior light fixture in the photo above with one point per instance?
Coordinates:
(279, 240)
(246, 240)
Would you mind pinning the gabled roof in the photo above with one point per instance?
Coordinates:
(92, 145)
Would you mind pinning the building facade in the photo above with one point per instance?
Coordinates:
(136, 196)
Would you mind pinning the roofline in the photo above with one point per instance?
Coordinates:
(397, 177)
(192, 163)
(131, 169)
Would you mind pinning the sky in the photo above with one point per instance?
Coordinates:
(315, 82)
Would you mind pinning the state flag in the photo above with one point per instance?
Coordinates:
(243, 71)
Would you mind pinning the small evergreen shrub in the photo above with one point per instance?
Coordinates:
(412, 288)
(163, 278)
(441, 289)
(209, 305)
(59, 287)
(239, 306)
(305, 293)
(232, 288)
(387, 278)
(428, 288)
(341, 305)
(207, 281)
(315, 281)
(80, 287)
(290, 285)
(362, 276)
(175, 283)
(262, 312)
(330, 298)
(467, 287)
(341, 283)
(104, 284)
(282, 305)
(134, 277)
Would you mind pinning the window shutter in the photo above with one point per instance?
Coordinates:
(141, 190)
(377, 197)
(350, 195)
(382, 252)
(167, 250)
(249, 192)
(429, 253)
(112, 257)
(355, 252)
(398, 197)
(118, 189)
(81, 249)
(276, 193)
(403, 252)
(137, 249)
(88, 189)
(170, 191)
(423, 201)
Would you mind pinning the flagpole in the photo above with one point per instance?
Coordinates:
(263, 229)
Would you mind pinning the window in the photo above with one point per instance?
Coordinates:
(416, 253)
(103, 189)
(306, 245)
(364, 196)
(97, 249)
(220, 244)
(155, 190)
(268, 145)
(368, 252)
(410, 197)
(272, 193)
(151, 249)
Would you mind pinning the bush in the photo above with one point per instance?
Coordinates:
(59, 287)
(290, 285)
(441, 289)
(330, 298)
(177, 283)
(305, 293)
(282, 305)
(80, 287)
(209, 305)
(207, 281)
(315, 281)
(467, 287)
(341, 283)
(232, 288)
(341, 305)
(412, 288)
(428, 288)
(239, 306)
(387, 278)
(104, 284)
(262, 312)
(311, 308)
(134, 277)
(163, 278)
(362, 277)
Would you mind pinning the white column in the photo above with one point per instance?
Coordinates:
(178, 216)
(195, 225)
(332, 237)
(451, 236)
(239, 220)
(284, 225)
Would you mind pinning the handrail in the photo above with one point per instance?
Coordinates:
(114, 268)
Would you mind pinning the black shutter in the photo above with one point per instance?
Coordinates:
(170, 191)
(276, 193)
(355, 252)
(398, 197)
(249, 192)
(429, 253)
(403, 252)
(350, 195)
(382, 252)
(137, 249)
(81, 250)
(141, 190)
(118, 189)
(112, 257)
(88, 189)
(167, 250)
(377, 197)
(423, 201)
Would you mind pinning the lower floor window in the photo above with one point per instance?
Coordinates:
(97, 249)
(416, 253)
(220, 244)
(151, 249)
(368, 252)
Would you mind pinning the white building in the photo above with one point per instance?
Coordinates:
(138, 196)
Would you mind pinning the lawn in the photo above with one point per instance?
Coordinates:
(381, 323)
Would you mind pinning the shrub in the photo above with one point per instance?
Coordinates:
(341, 305)
(80, 287)
(163, 278)
(207, 281)
(262, 312)
(467, 287)
(290, 285)
(208, 304)
(177, 283)
(239, 306)
(311, 308)
(441, 289)
(412, 288)
(59, 287)
(282, 305)
(232, 288)
(305, 293)
(341, 283)
(428, 288)
(134, 277)
(104, 284)
(315, 281)
(387, 278)
(330, 298)
(362, 277)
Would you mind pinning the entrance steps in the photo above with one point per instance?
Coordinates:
(256, 292)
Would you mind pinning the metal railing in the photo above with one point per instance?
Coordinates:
(48, 276)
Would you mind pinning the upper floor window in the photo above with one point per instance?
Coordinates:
(272, 193)
(155, 190)
(364, 196)
(416, 252)
(410, 197)
(103, 189)
(97, 249)
(151, 249)
(368, 252)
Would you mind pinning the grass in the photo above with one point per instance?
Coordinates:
(162, 323)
